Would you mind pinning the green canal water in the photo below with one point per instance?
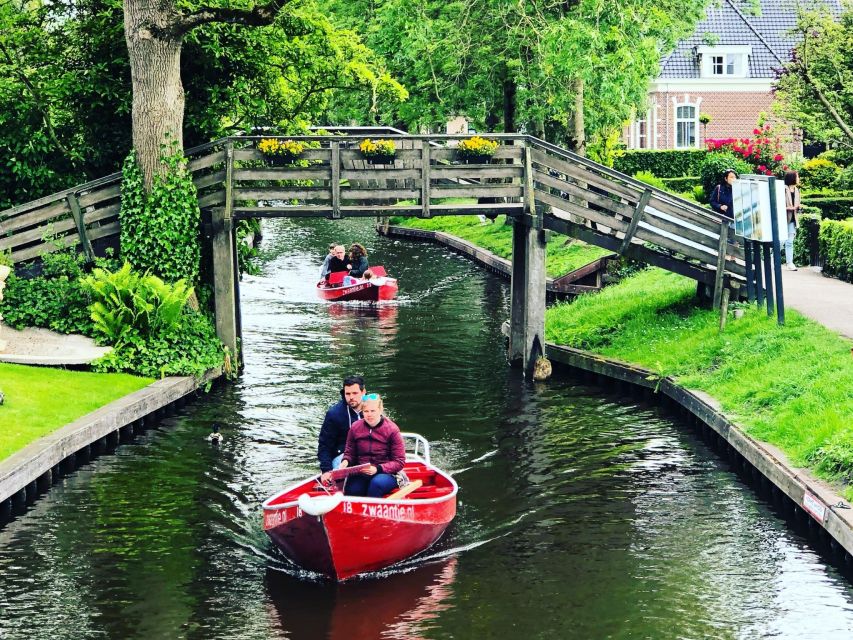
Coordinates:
(582, 514)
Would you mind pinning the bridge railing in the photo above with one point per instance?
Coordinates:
(427, 177)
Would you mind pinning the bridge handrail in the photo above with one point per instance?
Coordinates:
(714, 216)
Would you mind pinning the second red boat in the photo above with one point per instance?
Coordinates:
(378, 288)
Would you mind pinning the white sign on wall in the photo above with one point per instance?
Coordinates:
(751, 204)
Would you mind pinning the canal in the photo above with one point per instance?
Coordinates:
(582, 514)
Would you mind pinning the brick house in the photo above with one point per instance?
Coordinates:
(726, 70)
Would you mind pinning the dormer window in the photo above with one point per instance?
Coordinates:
(724, 62)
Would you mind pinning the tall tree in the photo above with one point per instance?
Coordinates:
(814, 89)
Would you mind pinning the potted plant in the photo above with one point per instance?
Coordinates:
(378, 151)
(476, 150)
(281, 152)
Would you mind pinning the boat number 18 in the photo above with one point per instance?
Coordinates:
(347, 507)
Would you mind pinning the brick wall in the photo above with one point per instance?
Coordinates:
(733, 115)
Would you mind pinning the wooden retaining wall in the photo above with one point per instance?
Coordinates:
(34, 469)
(811, 500)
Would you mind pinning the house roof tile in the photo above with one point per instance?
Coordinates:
(731, 22)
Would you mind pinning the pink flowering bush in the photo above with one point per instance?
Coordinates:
(763, 151)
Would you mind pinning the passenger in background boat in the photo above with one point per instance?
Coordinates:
(336, 425)
(357, 260)
(324, 270)
(374, 440)
(338, 260)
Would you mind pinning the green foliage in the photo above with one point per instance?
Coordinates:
(678, 185)
(147, 322)
(664, 164)
(818, 173)
(831, 208)
(55, 300)
(126, 302)
(247, 254)
(821, 62)
(712, 168)
(836, 248)
(651, 179)
(160, 231)
(562, 254)
(699, 194)
(844, 180)
(806, 246)
(788, 385)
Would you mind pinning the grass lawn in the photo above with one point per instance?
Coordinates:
(40, 400)
(791, 386)
(496, 237)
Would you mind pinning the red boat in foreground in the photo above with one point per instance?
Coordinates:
(380, 287)
(341, 536)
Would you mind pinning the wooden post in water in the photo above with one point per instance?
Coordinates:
(527, 314)
(224, 267)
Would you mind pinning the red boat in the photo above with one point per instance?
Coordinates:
(342, 536)
(380, 287)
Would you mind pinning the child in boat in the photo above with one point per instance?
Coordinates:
(374, 280)
(377, 441)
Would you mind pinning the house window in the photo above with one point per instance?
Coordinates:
(641, 132)
(730, 61)
(686, 124)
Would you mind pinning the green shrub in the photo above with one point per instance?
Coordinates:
(713, 166)
(650, 179)
(160, 230)
(806, 246)
(665, 164)
(831, 208)
(836, 248)
(687, 183)
(54, 300)
(818, 173)
(126, 302)
(148, 323)
(844, 180)
(699, 194)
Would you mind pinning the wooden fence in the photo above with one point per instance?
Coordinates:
(572, 195)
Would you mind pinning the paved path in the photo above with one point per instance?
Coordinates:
(41, 346)
(825, 300)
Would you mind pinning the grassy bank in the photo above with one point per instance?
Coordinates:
(40, 400)
(561, 258)
(789, 386)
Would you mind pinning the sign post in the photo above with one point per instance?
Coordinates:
(761, 220)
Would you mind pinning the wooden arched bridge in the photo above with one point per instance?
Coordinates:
(537, 184)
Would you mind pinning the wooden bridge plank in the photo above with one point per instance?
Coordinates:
(208, 180)
(251, 153)
(478, 191)
(478, 171)
(211, 199)
(283, 193)
(371, 174)
(616, 206)
(317, 172)
(380, 194)
(35, 217)
(104, 193)
(635, 220)
(197, 164)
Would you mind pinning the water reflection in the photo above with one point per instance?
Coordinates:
(400, 606)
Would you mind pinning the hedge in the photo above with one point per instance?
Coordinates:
(680, 185)
(670, 163)
(836, 248)
(806, 247)
(832, 208)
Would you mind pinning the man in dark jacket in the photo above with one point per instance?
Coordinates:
(336, 424)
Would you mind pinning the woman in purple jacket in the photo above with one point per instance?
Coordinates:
(373, 440)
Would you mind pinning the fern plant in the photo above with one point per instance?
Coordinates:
(127, 303)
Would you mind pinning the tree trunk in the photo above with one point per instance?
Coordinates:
(158, 95)
(509, 89)
(579, 135)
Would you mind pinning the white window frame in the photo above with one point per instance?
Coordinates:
(724, 62)
(685, 102)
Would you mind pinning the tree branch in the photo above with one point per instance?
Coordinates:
(833, 112)
(258, 17)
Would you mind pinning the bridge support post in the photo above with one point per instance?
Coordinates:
(527, 313)
(224, 271)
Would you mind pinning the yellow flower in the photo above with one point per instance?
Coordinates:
(477, 146)
(371, 148)
(275, 147)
